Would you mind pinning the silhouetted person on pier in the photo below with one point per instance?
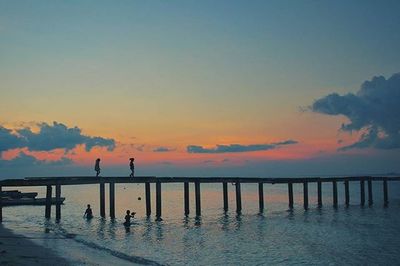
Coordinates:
(132, 167)
(88, 213)
(97, 167)
(128, 217)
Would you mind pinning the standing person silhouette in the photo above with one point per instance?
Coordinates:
(132, 167)
(97, 167)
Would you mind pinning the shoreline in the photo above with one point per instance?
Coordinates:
(19, 250)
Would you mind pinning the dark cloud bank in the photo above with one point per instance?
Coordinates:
(373, 110)
(238, 147)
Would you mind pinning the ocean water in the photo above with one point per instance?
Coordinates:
(351, 235)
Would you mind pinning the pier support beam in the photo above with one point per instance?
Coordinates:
(112, 200)
(1, 205)
(385, 193)
(290, 192)
(48, 201)
(362, 192)
(102, 200)
(319, 193)
(346, 192)
(305, 196)
(158, 201)
(370, 199)
(58, 202)
(225, 195)
(186, 198)
(238, 199)
(335, 197)
(198, 198)
(261, 196)
(148, 198)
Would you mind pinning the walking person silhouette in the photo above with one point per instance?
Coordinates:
(132, 167)
(97, 167)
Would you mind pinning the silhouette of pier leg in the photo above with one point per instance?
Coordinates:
(158, 201)
(370, 199)
(148, 198)
(261, 196)
(198, 199)
(238, 199)
(305, 192)
(319, 193)
(58, 202)
(335, 197)
(102, 200)
(290, 192)
(48, 201)
(362, 192)
(347, 192)
(186, 197)
(112, 200)
(1, 206)
(225, 192)
(385, 193)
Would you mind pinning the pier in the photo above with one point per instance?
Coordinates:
(58, 182)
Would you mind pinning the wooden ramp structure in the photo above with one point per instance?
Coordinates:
(58, 182)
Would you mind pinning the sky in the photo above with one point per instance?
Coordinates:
(199, 88)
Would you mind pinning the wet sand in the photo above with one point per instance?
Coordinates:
(19, 250)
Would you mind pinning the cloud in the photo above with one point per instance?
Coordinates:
(238, 147)
(374, 110)
(25, 160)
(50, 137)
(162, 149)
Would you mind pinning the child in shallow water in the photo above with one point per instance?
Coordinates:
(128, 217)
(88, 213)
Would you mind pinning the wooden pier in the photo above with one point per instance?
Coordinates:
(58, 182)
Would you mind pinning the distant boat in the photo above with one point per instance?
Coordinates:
(15, 198)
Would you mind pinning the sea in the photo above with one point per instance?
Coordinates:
(346, 235)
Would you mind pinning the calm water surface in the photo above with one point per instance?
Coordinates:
(343, 236)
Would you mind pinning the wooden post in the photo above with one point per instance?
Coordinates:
(186, 197)
(102, 200)
(1, 205)
(305, 192)
(148, 198)
(198, 199)
(225, 192)
(319, 192)
(347, 192)
(335, 197)
(370, 200)
(112, 200)
(385, 193)
(261, 196)
(362, 192)
(158, 201)
(238, 198)
(290, 192)
(48, 201)
(58, 202)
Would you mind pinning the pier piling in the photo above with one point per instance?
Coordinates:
(48, 201)
(186, 198)
(335, 195)
(198, 198)
(225, 195)
(305, 196)
(290, 192)
(362, 192)
(238, 199)
(158, 201)
(1, 205)
(370, 198)
(261, 196)
(102, 200)
(112, 200)
(385, 193)
(58, 202)
(346, 192)
(319, 193)
(148, 198)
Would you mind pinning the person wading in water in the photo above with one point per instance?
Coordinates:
(88, 213)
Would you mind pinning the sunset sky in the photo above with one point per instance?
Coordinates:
(250, 88)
